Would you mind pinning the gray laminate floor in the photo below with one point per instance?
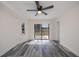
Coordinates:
(36, 48)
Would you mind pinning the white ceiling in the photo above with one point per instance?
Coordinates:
(60, 8)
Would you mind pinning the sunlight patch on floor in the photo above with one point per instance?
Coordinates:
(39, 42)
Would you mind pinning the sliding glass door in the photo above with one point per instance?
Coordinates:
(41, 31)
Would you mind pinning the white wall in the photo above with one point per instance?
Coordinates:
(10, 29)
(69, 30)
(52, 28)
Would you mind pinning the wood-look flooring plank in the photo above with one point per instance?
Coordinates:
(36, 48)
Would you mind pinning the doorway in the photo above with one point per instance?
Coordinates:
(41, 31)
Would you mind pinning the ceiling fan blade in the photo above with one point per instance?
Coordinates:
(37, 4)
(36, 14)
(49, 7)
(44, 13)
(32, 10)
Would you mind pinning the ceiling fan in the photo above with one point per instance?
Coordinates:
(40, 8)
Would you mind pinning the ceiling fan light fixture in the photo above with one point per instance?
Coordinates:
(39, 12)
(40, 8)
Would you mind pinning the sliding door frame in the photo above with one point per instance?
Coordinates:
(41, 32)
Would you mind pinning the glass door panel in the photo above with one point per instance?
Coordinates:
(41, 31)
(37, 31)
(45, 31)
